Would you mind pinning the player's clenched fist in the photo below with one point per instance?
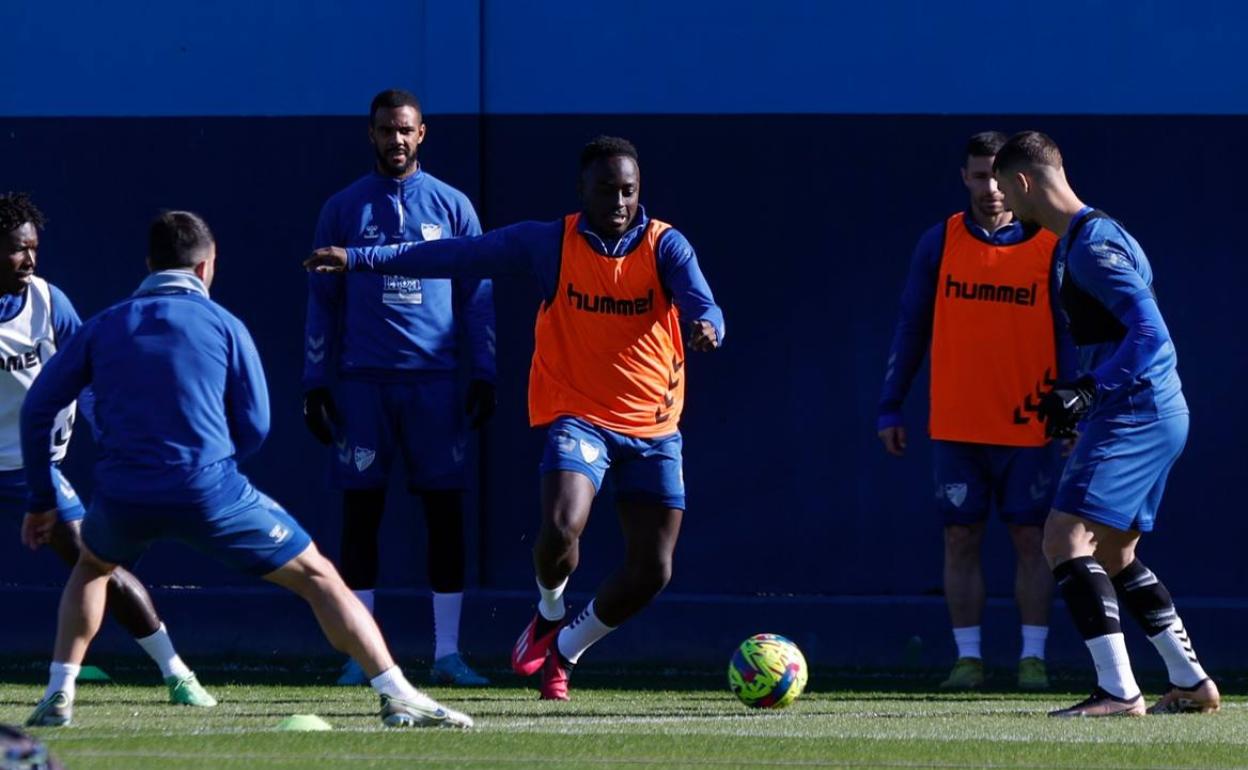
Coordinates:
(37, 528)
(704, 336)
(329, 259)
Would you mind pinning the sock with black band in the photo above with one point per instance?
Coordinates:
(1093, 606)
(1148, 601)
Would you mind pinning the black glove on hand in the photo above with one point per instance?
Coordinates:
(1062, 408)
(320, 414)
(480, 403)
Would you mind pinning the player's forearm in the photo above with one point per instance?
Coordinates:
(486, 256)
(319, 342)
(1146, 336)
(249, 423)
(910, 343)
(474, 306)
(38, 418)
(689, 289)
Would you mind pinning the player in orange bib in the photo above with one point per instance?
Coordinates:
(607, 383)
(978, 295)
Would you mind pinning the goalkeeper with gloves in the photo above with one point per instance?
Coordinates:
(1134, 420)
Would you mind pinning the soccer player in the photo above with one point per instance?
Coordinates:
(979, 295)
(36, 318)
(390, 342)
(180, 396)
(607, 382)
(1132, 419)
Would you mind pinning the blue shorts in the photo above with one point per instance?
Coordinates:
(973, 478)
(13, 498)
(422, 419)
(240, 527)
(642, 469)
(1118, 472)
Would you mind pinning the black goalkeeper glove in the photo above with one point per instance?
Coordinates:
(1062, 408)
(320, 414)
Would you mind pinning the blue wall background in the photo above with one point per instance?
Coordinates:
(801, 146)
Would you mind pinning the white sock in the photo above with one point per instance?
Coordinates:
(366, 597)
(967, 639)
(1176, 650)
(580, 635)
(551, 605)
(62, 677)
(1113, 667)
(446, 609)
(1034, 638)
(159, 647)
(392, 682)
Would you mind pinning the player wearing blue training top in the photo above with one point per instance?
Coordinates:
(988, 449)
(1132, 419)
(180, 396)
(606, 381)
(380, 369)
(36, 318)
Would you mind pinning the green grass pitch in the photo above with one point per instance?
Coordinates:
(623, 722)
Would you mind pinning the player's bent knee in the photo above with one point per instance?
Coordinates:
(304, 573)
(562, 534)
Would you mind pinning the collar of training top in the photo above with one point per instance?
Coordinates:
(171, 282)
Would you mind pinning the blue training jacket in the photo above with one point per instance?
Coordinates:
(179, 395)
(1137, 378)
(380, 327)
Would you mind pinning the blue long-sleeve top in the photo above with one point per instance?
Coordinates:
(1137, 377)
(387, 327)
(912, 337)
(536, 248)
(180, 394)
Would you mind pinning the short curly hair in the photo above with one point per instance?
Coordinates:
(16, 210)
(606, 147)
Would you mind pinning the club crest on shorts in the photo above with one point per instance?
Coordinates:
(1039, 488)
(589, 451)
(363, 458)
(430, 232)
(279, 534)
(956, 494)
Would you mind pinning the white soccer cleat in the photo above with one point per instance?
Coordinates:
(400, 712)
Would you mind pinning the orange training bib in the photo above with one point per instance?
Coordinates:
(608, 348)
(993, 343)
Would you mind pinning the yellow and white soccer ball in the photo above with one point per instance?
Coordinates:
(767, 671)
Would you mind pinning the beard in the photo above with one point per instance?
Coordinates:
(392, 168)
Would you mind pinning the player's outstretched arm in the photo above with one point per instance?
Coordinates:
(63, 377)
(502, 252)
